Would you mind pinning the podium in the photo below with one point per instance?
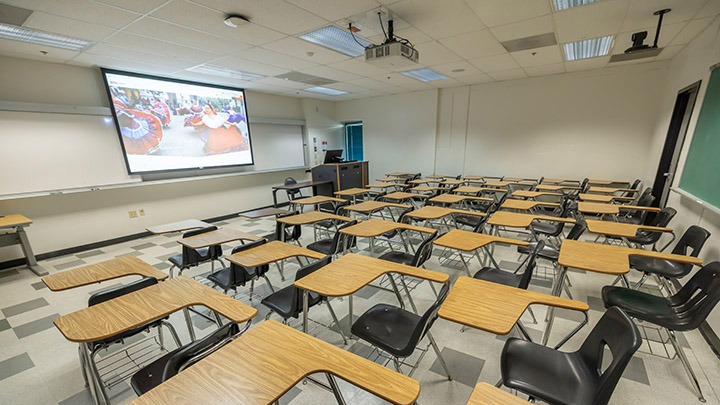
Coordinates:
(342, 175)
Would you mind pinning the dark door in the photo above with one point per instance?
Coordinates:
(684, 104)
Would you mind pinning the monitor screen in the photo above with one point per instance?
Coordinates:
(168, 124)
(333, 156)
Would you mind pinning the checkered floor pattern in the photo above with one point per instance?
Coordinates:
(38, 366)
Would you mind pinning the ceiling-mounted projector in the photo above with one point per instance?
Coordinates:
(639, 37)
(395, 53)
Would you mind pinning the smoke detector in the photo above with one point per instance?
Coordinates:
(235, 21)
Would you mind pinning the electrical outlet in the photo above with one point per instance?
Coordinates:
(141, 211)
(132, 214)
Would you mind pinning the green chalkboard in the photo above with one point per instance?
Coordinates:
(701, 176)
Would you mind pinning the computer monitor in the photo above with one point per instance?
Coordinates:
(333, 156)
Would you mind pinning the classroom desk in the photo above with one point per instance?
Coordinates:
(467, 241)
(263, 212)
(534, 194)
(352, 192)
(391, 179)
(421, 189)
(474, 177)
(402, 195)
(437, 176)
(266, 362)
(518, 179)
(327, 188)
(559, 181)
(518, 220)
(499, 183)
(369, 207)
(381, 185)
(419, 181)
(400, 174)
(12, 232)
(375, 227)
(452, 182)
(180, 226)
(496, 308)
(558, 187)
(607, 182)
(604, 198)
(456, 198)
(620, 229)
(317, 199)
(213, 238)
(348, 274)
(99, 272)
(269, 253)
(486, 394)
(610, 209)
(525, 205)
(308, 218)
(611, 190)
(430, 212)
(476, 190)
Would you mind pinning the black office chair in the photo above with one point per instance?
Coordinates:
(336, 244)
(422, 254)
(638, 216)
(181, 358)
(514, 278)
(577, 378)
(294, 193)
(194, 257)
(646, 237)
(689, 244)
(288, 302)
(97, 346)
(682, 312)
(553, 229)
(292, 235)
(235, 275)
(398, 331)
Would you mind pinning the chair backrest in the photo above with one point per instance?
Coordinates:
(295, 232)
(293, 193)
(662, 218)
(690, 244)
(191, 256)
(379, 196)
(340, 207)
(584, 184)
(340, 240)
(426, 321)
(530, 265)
(115, 292)
(697, 298)
(195, 351)
(616, 331)
(496, 206)
(481, 223)
(577, 230)
(424, 251)
(239, 274)
(646, 198)
(296, 300)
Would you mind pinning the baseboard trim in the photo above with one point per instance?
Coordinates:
(97, 245)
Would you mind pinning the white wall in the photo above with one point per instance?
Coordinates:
(322, 126)
(687, 67)
(398, 131)
(74, 219)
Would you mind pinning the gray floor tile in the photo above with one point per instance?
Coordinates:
(595, 303)
(8, 273)
(35, 326)
(39, 285)
(24, 307)
(15, 365)
(171, 245)
(635, 371)
(163, 265)
(290, 395)
(4, 325)
(69, 265)
(130, 254)
(81, 398)
(143, 246)
(464, 368)
(91, 253)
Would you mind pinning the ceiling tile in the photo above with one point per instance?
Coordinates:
(330, 73)
(335, 9)
(692, 29)
(447, 69)
(668, 32)
(370, 83)
(495, 63)
(160, 48)
(669, 52)
(508, 74)
(473, 45)
(174, 33)
(499, 12)
(590, 21)
(88, 59)
(135, 55)
(445, 83)
(412, 34)
(138, 6)
(476, 79)
(640, 13)
(587, 64)
(711, 9)
(373, 93)
(289, 84)
(399, 79)
(84, 10)
(233, 62)
(298, 48)
(359, 67)
(433, 53)
(32, 51)
(276, 14)
(204, 19)
(439, 19)
(350, 88)
(524, 29)
(274, 58)
(538, 56)
(545, 70)
(66, 26)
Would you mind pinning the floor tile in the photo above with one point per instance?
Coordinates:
(36, 326)
(8, 273)
(91, 253)
(39, 285)
(24, 307)
(143, 246)
(464, 368)
(14, 365)
(4, 325)
(69, 265)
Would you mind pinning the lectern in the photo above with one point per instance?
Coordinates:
(343, 175)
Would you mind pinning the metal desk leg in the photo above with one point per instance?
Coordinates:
(372, 246)
(188, 321)
(306, 293)
(551, 311)
(350, 316)
(274, 193)
(335, 389)
(29, 255)
(92, 383)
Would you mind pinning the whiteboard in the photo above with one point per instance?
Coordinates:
(45, 152)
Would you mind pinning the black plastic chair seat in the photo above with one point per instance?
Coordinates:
(126, 334)
(223, 277)
(151, 375)
(630, 220)
(547, 252)
(327, 224)
(468, 220)
(529, 365)
(646, 307)
(499, 276)
(388, 328)
(323, 246)
(281, 302)
(660, 267)
(398, 257)
(178, 259)
(548, 228)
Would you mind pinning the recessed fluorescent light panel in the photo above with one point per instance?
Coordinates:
(326, 91)
(226, 72)
(589, 48)
(42, 38)
(424, 75)
(565, 4)
(337, 39)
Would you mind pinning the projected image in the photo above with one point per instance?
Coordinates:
(169, 125)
